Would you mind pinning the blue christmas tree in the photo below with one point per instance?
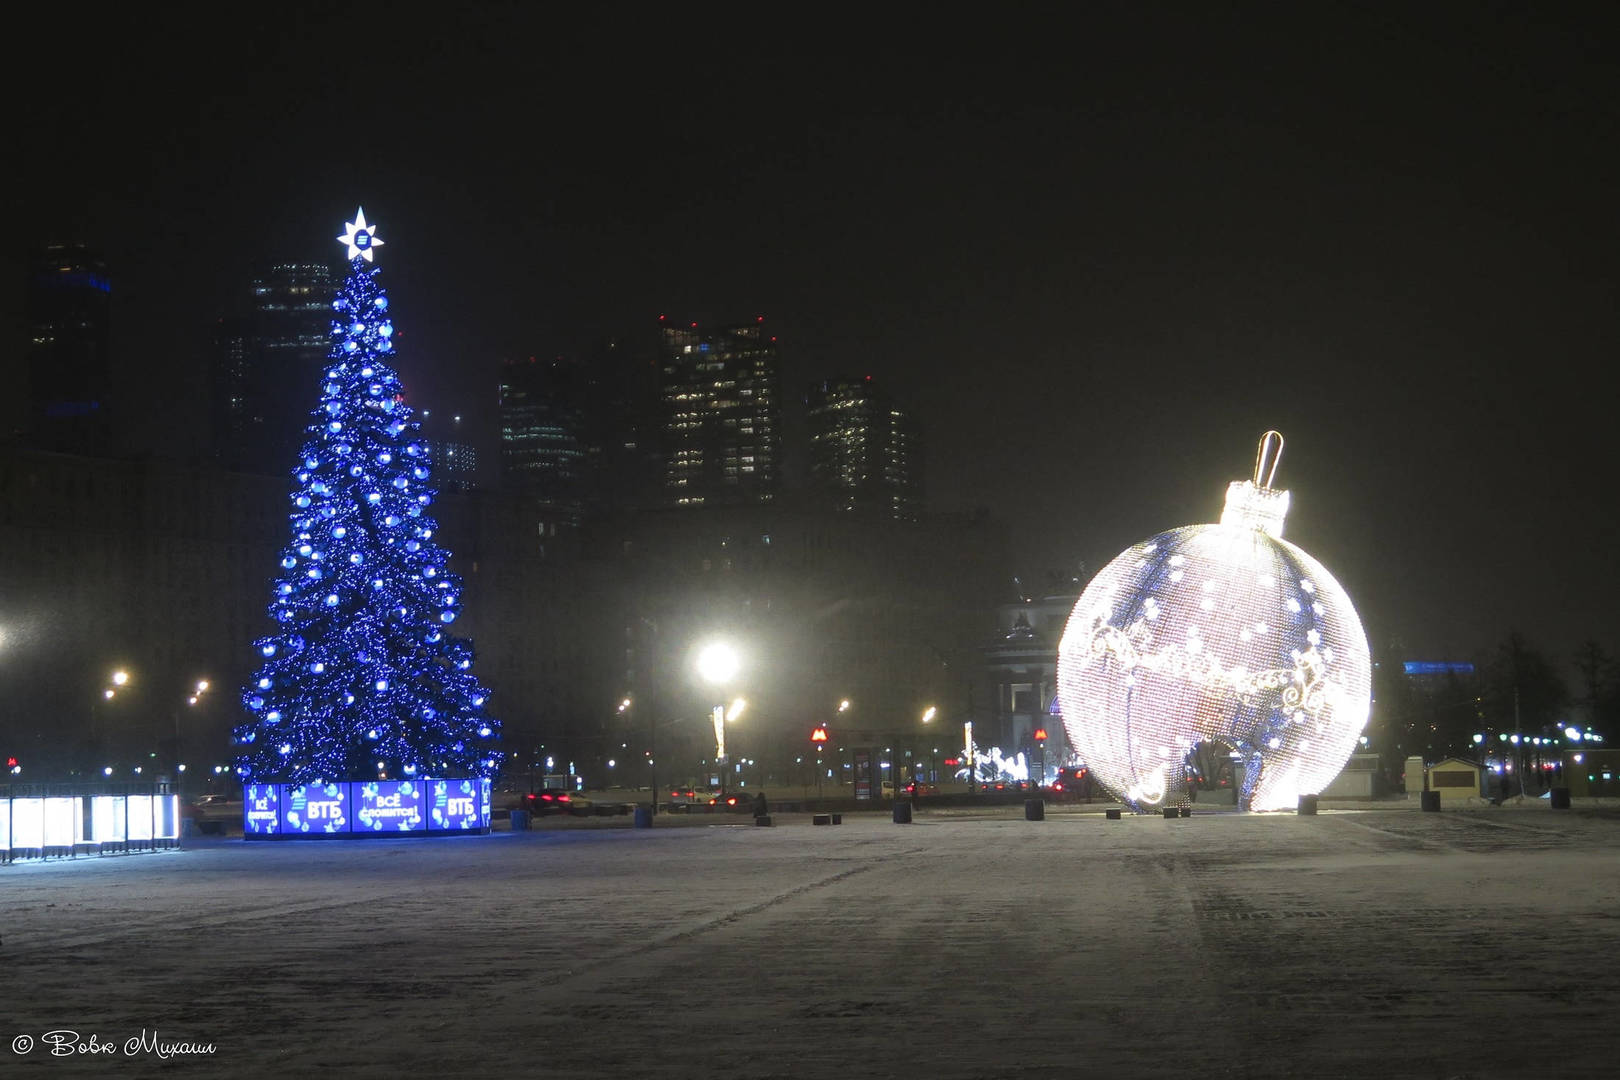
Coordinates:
(363, 675)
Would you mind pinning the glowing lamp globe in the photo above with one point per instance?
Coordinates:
(1225, 635)
(718, 662)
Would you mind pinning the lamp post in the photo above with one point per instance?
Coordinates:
(116, 681)
(927, 718)
(192, 698)
(838, 756)
(717, 665)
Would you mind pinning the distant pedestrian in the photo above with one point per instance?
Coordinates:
(761, 807)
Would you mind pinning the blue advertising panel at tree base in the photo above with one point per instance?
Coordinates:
(358, 808)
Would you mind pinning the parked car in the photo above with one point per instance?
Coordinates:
(695, 798)
(923, 788)
(217, 806)
(556, 801)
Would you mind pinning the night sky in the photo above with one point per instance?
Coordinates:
(1097, 257)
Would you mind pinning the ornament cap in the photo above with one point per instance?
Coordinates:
(1255, 504)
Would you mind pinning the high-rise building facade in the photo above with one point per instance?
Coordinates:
(543, 435)
(722, 429)
(450, 449)
(579, 434)
(863, 454)
(267, 365)
(69, 367)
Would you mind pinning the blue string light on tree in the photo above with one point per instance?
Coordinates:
(1224, 635)
(362, 676)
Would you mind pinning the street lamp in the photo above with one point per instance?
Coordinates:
(117, 679)
(717, 665)
(838, 761)
(192, 700)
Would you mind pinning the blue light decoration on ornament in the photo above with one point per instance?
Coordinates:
(354, 612)
(1216, 643)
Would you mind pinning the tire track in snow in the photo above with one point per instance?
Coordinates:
(602, 969)
(730, 917)
(169, 925)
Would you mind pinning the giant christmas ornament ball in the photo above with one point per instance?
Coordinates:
(1224, 634)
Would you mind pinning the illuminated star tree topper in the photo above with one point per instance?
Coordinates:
(359, 237)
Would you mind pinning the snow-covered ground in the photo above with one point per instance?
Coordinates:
(1377, 943)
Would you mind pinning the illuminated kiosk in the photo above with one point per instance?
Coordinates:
(354, 808)
(1216, 636)
(50, 821)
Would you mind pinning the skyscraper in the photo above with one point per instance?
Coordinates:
(863, 451)
(722, 417)
(69, 295)
(455, 458)
(267, 362)
(543, 446)
(578, 434)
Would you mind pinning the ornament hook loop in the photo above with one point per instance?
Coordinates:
(1275, 450)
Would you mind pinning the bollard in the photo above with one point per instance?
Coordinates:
(1307, 805)
(1112, 813)
(838, 819)
(1034, 810)
(902, 813)
(1171, 812)
(643, 819)
(1431, 801)
(520, 821)
(1558, 797)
